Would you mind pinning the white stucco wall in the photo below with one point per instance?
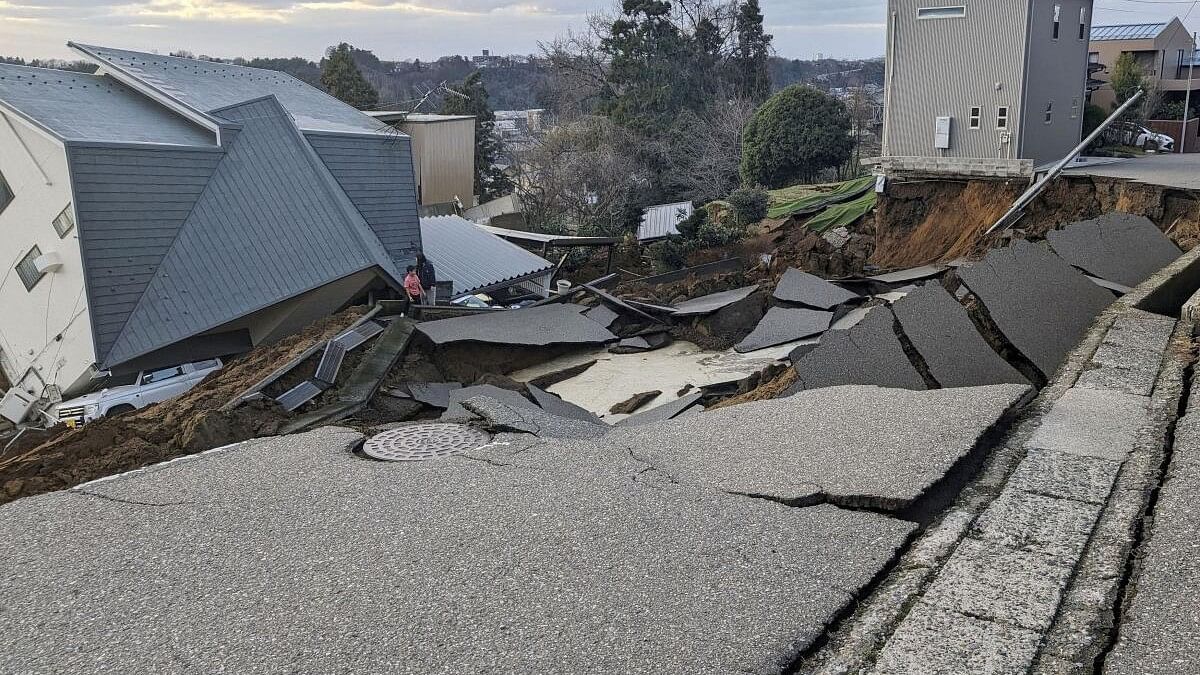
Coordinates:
(46, 328)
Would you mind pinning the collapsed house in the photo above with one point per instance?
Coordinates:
(167, 209)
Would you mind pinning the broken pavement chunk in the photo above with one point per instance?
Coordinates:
(455, 409)
(942, 333)
(531, 326)
(1118, 247)
(642, 343)
(707, 304)
(503, 417)
(782, 324)
(601, 314)
(665, 411)
(557, 406)
(634, 402)
(1038, 302)
(807, 289)
(858, 446)
(436, 394)
(910, 275)
(867, 353)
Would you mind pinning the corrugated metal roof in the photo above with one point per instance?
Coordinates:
(206, 86)
(78, 106)
(473, 258)
(1127, 31)
(661, 221)
(271, 224)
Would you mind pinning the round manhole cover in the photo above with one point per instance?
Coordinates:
(424, 441)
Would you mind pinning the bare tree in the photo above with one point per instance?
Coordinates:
(582, 176)
(707, 151)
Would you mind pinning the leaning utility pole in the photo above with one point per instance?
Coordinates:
(1187, 97)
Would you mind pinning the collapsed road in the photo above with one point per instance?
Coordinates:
(963, 472)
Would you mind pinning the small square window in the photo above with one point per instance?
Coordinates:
(1093, 57)
(27, 270)
(6, 194)
(974, 117)
(64, 222)
(1075, 108)
(1049, 111)
(1002, 117)
(956, 12)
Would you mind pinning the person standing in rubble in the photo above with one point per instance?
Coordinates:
(428, 277)
(412, 290)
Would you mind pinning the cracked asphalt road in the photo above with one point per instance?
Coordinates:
(294, 554)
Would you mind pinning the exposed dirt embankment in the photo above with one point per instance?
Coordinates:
(61, 458)
(929, 221)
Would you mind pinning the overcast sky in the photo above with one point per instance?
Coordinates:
(404, 29)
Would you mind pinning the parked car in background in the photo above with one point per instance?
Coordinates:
(151, 386)
(1128, 133)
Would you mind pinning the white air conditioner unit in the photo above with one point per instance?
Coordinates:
(50, 261)
(16, 404)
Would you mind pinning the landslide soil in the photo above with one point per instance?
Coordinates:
(59, 458)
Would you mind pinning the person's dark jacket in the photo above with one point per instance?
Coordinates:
(426, 274)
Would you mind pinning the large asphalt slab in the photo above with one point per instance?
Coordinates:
(1116, 247)
(869, 352)
(294, 555)
(940, 330)
(532, 326)
(1039, 302)
(860, 446)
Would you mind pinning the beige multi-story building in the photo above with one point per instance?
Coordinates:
(985, 80)
(1163, 50)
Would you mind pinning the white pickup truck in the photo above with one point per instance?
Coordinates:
(151, 386)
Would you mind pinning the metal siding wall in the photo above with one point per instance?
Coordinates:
(944, 66)
(1058, 73)
(131, 204)
(446, 156)
(377, 175)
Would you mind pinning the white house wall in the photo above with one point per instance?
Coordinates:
(45, 332)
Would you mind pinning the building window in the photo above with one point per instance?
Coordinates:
(1093, 57)
(1057, 19)
(973, 119)
(1002, 117)
(6, 195)
(1049, 111)
(28, 271)
(65, 222)
(1075, 108)
(1083, 23)
(956, 12)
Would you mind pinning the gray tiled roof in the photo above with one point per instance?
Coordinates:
(1128, 31)
(78, 106)
(206, 86)
(474, 259)
(271, 224)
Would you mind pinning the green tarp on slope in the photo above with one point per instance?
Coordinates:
(840, 215)
(814, 203)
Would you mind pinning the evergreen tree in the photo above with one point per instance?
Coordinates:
(651, 76)
(750, 62)
(1127, 78)
(794, 136)
(342, 78)
(490, 182)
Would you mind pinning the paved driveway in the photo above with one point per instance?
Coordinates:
(1181, 171)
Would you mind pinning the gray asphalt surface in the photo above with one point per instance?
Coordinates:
(532, 326)
(293, 555)
(1175, 170)
(862, 445)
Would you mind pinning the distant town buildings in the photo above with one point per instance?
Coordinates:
(1163, 50)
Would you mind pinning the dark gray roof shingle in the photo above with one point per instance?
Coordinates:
(82, 107)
